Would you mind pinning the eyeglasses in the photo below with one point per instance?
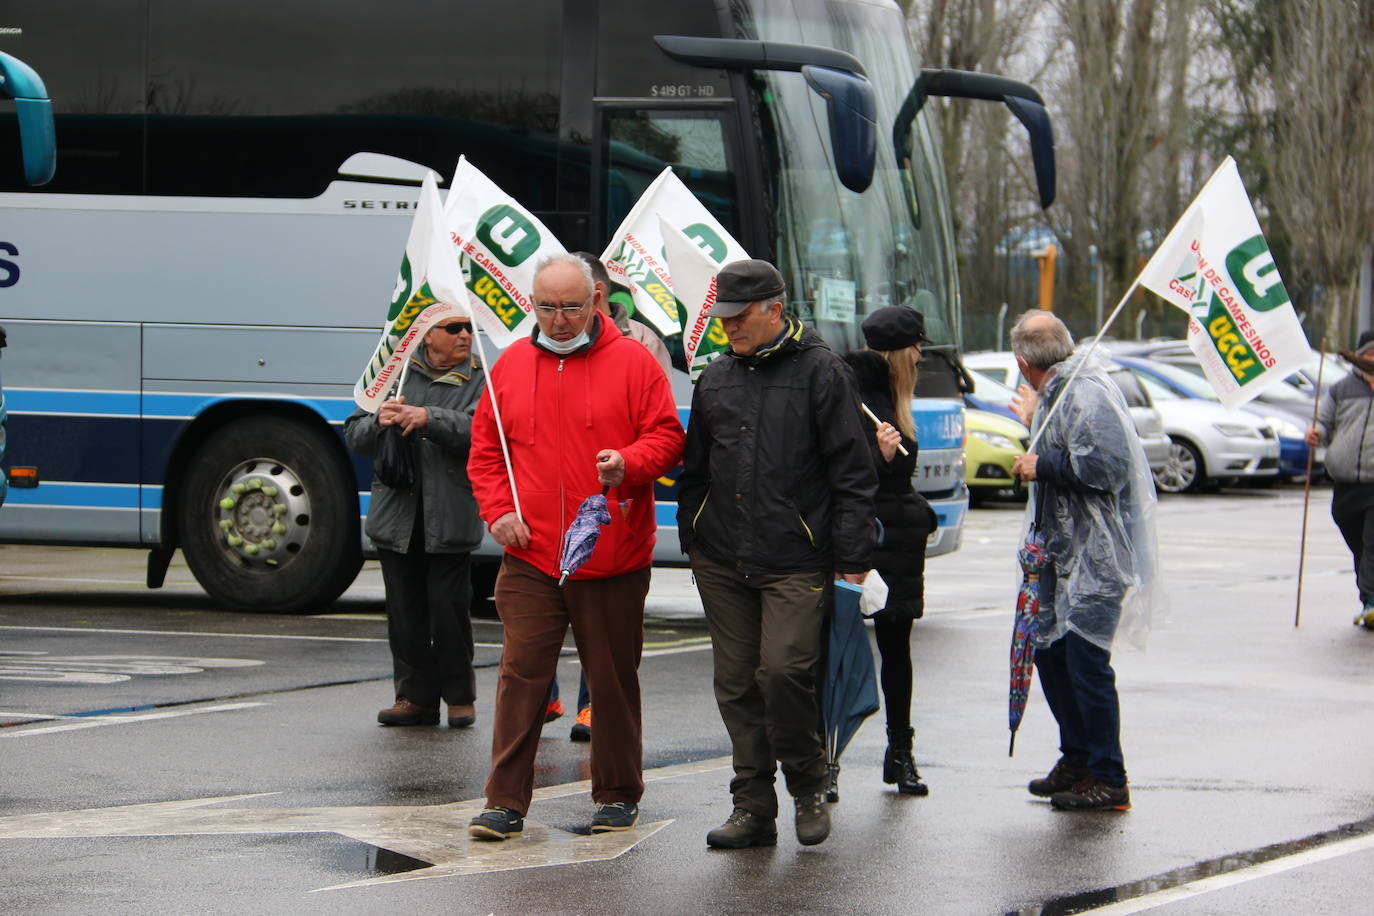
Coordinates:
(457, 327)
(566, 309)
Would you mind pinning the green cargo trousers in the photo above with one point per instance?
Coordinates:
(765, 636)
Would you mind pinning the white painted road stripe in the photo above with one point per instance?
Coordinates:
(100, 721)
(193, 633)
(1239, 876)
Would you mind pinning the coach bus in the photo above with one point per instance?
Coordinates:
(191, 298)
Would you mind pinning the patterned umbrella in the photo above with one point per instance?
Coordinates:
(580, 539)
(1033, 559)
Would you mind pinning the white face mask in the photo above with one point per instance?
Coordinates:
(565, 346)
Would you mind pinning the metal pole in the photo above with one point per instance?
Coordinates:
(1307, 486)
(1001, 320)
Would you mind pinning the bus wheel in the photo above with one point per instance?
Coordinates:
(265, 519)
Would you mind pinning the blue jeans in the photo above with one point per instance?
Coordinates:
(1080, 686)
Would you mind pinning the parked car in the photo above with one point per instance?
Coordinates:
(994, 441)
(1209, 444)
(1149, 425)
(990, 395)
(1283, 409)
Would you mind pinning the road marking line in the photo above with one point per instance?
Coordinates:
(126, 719)
(1239, 876)
(193, 633)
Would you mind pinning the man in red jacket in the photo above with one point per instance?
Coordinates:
(583, 408)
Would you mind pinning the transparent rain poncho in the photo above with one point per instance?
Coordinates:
(1100, 534)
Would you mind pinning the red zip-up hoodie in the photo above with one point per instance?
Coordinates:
(558, 412)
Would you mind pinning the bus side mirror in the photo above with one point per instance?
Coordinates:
(1023, 101)
(37, 137)
(834, 75)
(852, 114)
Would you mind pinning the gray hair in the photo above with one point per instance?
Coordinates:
(571, 260)
(1041, 339)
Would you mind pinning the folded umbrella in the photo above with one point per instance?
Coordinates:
(1033, 559)
(580, 539)
(849, 693)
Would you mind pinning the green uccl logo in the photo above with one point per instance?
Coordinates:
(1252, 268)
(708, 240)
(508, 235)
(1240, 357)
(486, 288)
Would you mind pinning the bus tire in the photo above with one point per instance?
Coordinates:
(265, 517)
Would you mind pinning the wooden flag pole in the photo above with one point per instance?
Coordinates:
(1307, 486)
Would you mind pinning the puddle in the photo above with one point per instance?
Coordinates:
(1078, 903)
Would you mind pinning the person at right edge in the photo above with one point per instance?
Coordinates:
(886, 375)
(1093, 503)
(1345, 422)
(776, 500)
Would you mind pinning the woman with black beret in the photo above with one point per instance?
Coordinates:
(886, 376)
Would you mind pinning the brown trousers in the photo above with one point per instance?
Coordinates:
(607, 617)
(765, 638)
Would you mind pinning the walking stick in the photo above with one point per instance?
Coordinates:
(1307, 486)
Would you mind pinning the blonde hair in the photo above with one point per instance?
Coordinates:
(901, 372)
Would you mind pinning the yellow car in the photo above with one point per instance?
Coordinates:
(993, 443)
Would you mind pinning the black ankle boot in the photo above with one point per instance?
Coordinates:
(898, 765)
(832, 789)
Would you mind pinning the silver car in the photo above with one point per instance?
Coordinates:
(1149, 423)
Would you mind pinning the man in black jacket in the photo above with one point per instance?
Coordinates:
(776, 499)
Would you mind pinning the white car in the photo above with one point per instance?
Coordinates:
(1149, 423)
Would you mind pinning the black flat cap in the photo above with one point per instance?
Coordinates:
(740, 283)
(894, 328)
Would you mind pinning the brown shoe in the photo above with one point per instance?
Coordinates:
(405, 712)
(1092, 794)
(1063, 777)
(461, 716)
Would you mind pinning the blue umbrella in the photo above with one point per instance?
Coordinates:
(849, 693)
(580, 539)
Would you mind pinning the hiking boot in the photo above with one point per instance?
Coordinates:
(554, 711)
(900, 768)
(615, 816)
(743, 828)
(813, 821)
(496, 824)
(1060, 779)
(1092, 794)
(461, 716)
(404, 712)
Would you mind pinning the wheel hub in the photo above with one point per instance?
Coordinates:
(263, 513)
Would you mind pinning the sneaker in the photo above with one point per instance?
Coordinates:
(1365, 618)
(404, 712)
(582, 728)
(555, 711)
(1060, 779)
(1092, 794)
(496, 824)
(813, 821)
(461, 716)
(615, 816)
(743, 828)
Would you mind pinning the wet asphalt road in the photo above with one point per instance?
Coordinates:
(1242, 735)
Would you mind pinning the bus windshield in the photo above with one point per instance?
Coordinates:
(853, 253)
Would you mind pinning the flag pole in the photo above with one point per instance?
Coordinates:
(1307, 486)
(1044, 424)
(879, 423)
(500, 429)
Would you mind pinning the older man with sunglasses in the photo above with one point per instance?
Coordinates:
(425, 533)
(585, 410)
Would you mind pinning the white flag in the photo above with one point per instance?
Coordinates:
(498, 243)
(1216, 266)
(425, 292)
(694, 284)
(635, 257)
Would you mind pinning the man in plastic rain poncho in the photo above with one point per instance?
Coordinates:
(1093, 504)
